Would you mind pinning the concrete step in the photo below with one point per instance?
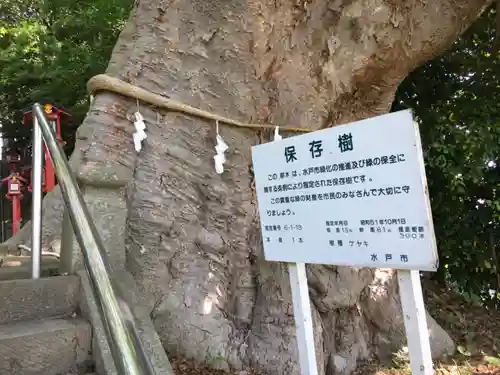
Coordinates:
(48, 346)
(12, 269)
(37, 299)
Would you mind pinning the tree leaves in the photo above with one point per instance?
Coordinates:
(48, 51)
(456, 100)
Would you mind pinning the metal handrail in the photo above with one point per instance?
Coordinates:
(126, 348)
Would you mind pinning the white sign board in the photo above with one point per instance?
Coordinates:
(353, 195)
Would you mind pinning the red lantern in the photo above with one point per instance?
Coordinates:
(15, 184)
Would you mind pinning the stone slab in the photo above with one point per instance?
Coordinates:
(37, 299)
(48, 346)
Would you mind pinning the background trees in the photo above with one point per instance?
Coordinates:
(455, 97)
(48, 50)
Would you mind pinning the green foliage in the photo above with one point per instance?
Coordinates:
(456, 100)
(494, 361)
(48, 51)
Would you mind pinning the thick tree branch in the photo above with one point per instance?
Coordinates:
(437, 24)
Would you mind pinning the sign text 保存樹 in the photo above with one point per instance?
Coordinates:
(351, 195)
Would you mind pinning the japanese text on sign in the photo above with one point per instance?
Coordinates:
(357, 192)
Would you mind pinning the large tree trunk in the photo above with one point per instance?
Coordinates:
(191, 236)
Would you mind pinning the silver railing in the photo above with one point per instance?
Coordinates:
(127, 350)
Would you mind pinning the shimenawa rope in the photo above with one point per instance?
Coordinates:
(103, 82)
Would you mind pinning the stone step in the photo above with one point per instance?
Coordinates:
(48, 346)
(37, 299)
(16, 267)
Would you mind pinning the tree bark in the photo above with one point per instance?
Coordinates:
(191, 236)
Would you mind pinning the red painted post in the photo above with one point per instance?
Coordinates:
(53, 115)
(16, 214)
(49, 175)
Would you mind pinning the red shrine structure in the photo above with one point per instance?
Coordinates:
(19, 164)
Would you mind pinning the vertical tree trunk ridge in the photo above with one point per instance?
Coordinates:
(191, 236)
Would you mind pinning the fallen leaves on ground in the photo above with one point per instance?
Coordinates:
(475, 330)
(182, 366)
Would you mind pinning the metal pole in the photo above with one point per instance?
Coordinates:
(36, 209)
(123, 336)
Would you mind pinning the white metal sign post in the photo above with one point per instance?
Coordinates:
(412, 302)
(303, 318)
(352, 195)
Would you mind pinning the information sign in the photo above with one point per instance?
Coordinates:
(353, 195)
